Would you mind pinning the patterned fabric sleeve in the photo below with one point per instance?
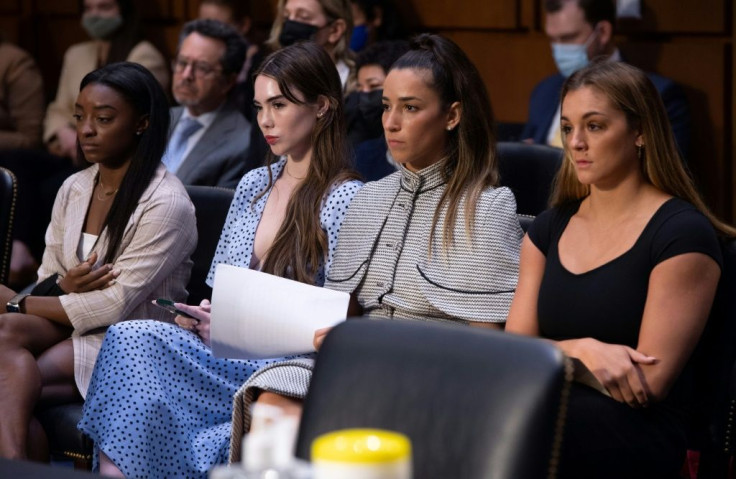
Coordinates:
(164, 238)
(333, 213)
(249, 186)
(52, 253)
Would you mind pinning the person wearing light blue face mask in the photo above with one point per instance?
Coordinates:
(582, 31)
(571, 57)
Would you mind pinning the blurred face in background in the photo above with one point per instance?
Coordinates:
(101, 18)
(370, 78)
(224, 14)
(100, 8)
(307, 20)
(199, 83)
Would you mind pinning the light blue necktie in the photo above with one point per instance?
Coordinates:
(178, 144)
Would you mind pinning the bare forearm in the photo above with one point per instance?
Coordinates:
(48, 307)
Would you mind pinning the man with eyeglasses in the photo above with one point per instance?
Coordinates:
(581, 31)
(209, 139)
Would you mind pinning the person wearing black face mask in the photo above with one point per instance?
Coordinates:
(329, 23)
(364, 109)
(293, 31)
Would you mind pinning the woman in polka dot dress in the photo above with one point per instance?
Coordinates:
(159, 404)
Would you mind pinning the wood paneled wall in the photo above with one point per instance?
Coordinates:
(689, 41)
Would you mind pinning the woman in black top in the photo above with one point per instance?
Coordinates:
(621, 273)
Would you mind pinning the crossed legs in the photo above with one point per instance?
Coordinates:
(34, 352)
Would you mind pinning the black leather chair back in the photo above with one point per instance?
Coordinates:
(211, 206)
(8, 197)
(529, 171)
(474, 402)
(714, 426)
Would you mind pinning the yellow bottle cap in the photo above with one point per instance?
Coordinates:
(361, 445)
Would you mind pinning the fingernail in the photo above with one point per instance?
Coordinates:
(115, 272)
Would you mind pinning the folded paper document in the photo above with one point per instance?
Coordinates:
(257, 315)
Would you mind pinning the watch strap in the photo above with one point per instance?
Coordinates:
(15, 303)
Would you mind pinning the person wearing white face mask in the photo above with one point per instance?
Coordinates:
(115, 36)
(581, 31)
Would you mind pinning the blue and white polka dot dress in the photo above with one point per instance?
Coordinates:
(159, 404)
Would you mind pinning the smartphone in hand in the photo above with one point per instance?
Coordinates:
(168, 305)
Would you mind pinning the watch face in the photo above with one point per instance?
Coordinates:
(12, 308)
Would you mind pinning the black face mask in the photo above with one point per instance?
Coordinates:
(292, 32)
(364, 112)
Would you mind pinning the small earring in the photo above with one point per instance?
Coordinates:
(139, 133)
(640, 152)
(449, 128)
(320, 114)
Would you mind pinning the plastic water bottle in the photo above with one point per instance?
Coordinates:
(361, 454)
(268, 450)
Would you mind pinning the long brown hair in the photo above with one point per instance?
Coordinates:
(630, 91)
(300, 246)
(471, 160)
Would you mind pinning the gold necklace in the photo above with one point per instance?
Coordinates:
(107, 194)
(286, 169)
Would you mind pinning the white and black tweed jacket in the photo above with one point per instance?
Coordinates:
(382, 256)
(383, 252)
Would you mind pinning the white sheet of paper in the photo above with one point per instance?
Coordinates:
(258, 315)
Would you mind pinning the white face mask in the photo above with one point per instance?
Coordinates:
(571, 57)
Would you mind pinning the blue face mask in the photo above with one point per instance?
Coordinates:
(571, 57)
(359, 38)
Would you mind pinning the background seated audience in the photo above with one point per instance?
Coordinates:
(121, 235)
(209, 139)
(364, 109)
(621, 274)
(21, 99)
(329, 23)
(114, 28)
(580, 31)
(21, 116)
(375, 21)
(283, 220)
(115, 34)
(237, 14)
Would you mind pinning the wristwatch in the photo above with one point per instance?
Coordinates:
(15, 305)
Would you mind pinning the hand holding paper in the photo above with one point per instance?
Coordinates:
(258, 315)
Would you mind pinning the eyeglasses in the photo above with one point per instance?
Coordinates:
(199, 69)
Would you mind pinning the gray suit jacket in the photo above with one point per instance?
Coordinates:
(219, 157)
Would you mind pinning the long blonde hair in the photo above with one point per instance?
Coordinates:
(630, 91)
(334, 10)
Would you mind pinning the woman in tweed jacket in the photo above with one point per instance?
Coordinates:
(121, 234)
(436, 240)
